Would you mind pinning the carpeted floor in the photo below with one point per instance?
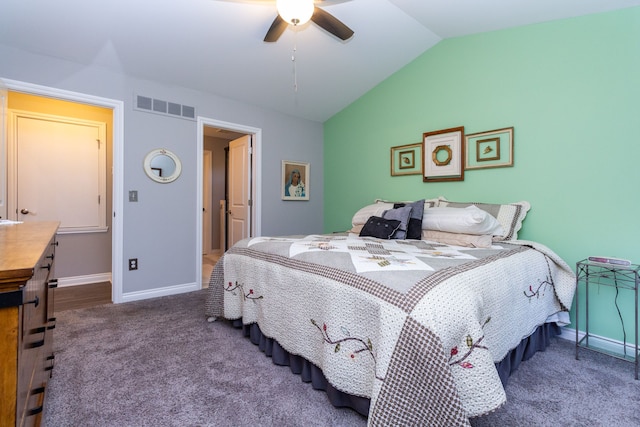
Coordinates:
(159, 363)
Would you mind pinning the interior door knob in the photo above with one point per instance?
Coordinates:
(24, 211)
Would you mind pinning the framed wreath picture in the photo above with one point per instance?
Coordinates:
(295, 180)
(491, 149)
(443, 155)
(406, 160)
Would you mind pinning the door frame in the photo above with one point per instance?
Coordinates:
(256, 185)
(207, 208)
(118, 161)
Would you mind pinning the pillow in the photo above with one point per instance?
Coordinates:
(401, 214)
(469, 220)
(363, 215)
(458, 239)
(509, 215)
(414, 228)
(376, 209)
(380, 227)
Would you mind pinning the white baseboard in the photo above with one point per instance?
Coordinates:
(159, 292)
(599, 341)
(84, 280)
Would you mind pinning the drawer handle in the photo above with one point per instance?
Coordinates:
(35, 301)
(35, 344)
(48, 266)
(39, 330)
(51, 358)
(50, 257)
(35, 411)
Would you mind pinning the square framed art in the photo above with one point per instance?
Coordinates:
(295, 180)
(406, 159)
(443, 155)
(490, 149)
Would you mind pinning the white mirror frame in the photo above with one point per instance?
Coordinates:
(154, 176)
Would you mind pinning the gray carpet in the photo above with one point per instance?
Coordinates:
(159, 363)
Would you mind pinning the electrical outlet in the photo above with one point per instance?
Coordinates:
(133, 263)
(133, 195)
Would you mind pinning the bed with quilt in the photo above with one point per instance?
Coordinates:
(411, 317)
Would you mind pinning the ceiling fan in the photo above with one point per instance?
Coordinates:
(298, 12)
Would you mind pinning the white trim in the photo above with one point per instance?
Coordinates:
(256, 186)
(608, 344)
(63, 282)
(161, 292)
(118, 161)
(3, 151)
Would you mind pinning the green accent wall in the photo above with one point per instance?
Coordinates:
(570, 89)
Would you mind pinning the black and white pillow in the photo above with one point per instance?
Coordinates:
(379, 227)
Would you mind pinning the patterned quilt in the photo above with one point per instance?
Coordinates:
(413, 325)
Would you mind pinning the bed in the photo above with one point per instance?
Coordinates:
(411, 328)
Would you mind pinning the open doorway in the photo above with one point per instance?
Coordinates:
(220, 142)
(85, 106)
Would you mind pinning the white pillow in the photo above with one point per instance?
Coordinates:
(510, 215)
(469, 220)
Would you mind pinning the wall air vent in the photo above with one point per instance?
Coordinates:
(158, 106)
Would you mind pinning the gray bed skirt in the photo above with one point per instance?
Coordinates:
(539, 340)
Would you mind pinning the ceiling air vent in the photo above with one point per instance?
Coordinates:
(158, 106)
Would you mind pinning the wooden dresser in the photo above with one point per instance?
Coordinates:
(27, 253)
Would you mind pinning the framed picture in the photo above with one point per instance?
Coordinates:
(295, 180)
(491, 149)
(443, 155)
(406, 160)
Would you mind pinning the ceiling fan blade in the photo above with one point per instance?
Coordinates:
(331, 24)
(275, 31)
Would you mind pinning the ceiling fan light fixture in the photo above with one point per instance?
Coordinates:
(296, 12)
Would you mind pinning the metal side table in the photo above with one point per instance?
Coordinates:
(620, 277)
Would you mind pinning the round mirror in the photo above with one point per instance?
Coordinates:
(162, 165)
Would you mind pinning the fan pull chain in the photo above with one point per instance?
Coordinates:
(293, 59)
(295, 72)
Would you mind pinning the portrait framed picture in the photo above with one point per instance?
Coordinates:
(490, 149)
(443, 155)
(406, 159)
(295, 180)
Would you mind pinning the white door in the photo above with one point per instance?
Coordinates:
(60, 172)
(206, 202)
(239, 184)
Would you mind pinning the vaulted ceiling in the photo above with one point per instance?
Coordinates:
(216, 46)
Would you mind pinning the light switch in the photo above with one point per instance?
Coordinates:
(133, 195)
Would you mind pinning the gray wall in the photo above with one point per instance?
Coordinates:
(160, 229)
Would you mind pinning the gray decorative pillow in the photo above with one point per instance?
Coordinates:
(414, 228)
(401, 214)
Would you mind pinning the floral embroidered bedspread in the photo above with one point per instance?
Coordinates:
(415, 326)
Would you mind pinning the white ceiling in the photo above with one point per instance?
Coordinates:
(216, 46)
